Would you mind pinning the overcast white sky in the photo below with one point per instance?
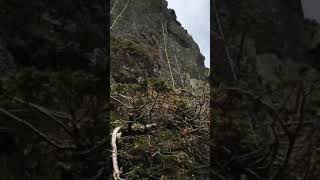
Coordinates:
(194, 15)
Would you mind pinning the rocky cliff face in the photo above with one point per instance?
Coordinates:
(265, 76)
(148, 41)
(256, 27)
(256, 38)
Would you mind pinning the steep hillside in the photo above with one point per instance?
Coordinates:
(148, 41)
(159, 95)
(265, 91)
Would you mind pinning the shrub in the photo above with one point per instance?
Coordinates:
(127, 45)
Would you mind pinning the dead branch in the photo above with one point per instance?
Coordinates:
(117, 100)
(46, 112)
(224, 40)
(176, 61)
(116, 170)
(125, 7)
(36, 131)
(164, 33)
(114, 5)
(115, 134)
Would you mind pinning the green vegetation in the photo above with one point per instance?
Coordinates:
(170, 150)
(155, 84)
(127, 45)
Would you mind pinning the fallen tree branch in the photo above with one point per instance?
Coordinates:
(115, 134)
(36, 131)
(116, 170)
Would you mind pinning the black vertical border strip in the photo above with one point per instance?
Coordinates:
(107, 50)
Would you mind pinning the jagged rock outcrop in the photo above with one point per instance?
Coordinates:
(140, 37)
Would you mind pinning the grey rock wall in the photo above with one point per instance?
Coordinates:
(143, 22)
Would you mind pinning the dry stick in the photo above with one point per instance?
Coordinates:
(117, 100)
(116, 170)
(125, 7)
(166, 33)
(46, 112)
(114, 5)
(176, 60)
(115, 134)
(224, 40)
(127, 98)
(166, 52)
(35, 130)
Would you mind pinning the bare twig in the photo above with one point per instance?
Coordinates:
(36, 131)
(114, 5)
(176, 61)
(125, 7)
(46, 112)
(117, 100)
(224, 40)
(166, 51)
